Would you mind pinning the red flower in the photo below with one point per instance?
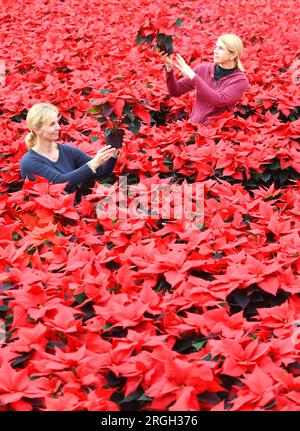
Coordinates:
(149, 312)
(14, 385)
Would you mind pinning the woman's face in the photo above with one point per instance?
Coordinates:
(50, 129)
(221, 53)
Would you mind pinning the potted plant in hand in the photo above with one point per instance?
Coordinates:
(116, 113)
(164, 43)
(159, 28)
(114, 136)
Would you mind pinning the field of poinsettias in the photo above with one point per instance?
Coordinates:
(144, 314)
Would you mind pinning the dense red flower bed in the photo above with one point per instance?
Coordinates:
(103, 314)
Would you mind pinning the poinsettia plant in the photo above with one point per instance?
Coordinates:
(159, 29)
(104, 313)
(117, 113)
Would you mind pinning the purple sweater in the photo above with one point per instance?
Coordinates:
(212, 97)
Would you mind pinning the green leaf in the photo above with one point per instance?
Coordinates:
(272, 197)
(89, 311)
(95, 108)
(275, 165)
(20, 359)
(133, 396)
(218, 255)
(178, 22)
(99, 228)
(144, 398)
(283, 176)
(52, 344)
(128, 112)
(16, 236)
(199, 345)
(80, 297)
(135, 127)
(208, 357)
(143, 39)
(105, 90)
(191, 140)
(31, 378)
(266, 176)
(101, 119)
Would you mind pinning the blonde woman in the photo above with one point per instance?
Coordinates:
(60, 163)
(219, 85)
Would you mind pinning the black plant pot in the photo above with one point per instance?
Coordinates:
(114, 137)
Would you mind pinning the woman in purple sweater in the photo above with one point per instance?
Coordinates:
(60, 163)
(219, 85)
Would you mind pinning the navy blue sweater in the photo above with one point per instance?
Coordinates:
(71, 166)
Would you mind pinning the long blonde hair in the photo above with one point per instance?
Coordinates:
(36, 117)
(235, 45)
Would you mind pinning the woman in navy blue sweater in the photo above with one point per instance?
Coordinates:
(60, 163)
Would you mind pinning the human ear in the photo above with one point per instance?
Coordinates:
(233, 57)
(36, 130)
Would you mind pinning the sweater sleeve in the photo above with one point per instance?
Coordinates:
(32, 167)
(104, 170)
(182, 86)
(228, 96)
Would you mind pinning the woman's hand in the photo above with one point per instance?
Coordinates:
(102, 156)
(184, 68)
(167, 59)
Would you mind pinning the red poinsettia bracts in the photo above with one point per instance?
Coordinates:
(137, 313)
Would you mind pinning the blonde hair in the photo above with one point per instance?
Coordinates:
(235, 45)
(37, 115)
